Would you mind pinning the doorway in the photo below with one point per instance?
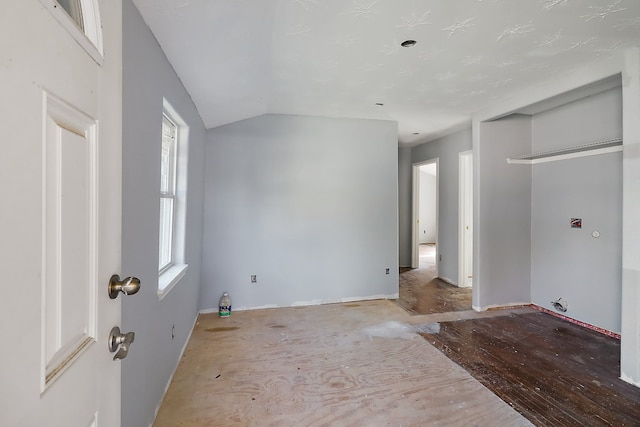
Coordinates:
(421, 291)
(425, 212)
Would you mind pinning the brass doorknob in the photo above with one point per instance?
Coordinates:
(128, 286)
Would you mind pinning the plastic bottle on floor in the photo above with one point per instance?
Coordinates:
(224, 308)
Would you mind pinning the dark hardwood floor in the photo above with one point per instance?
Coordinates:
(553, 372)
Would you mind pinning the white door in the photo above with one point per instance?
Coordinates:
(60, 117)
(465, 228)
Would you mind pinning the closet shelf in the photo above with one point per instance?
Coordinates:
(593, 149)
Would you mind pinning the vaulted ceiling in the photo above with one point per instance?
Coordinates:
(343, 58)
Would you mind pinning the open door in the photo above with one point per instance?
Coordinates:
(61, 113)
(465, 214)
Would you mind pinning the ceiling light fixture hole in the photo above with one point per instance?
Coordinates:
(408, 43)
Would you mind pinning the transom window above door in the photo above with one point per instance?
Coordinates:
(81, 19)
(74, 9)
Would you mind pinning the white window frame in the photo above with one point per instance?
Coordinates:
(170, 274)
(168, 231)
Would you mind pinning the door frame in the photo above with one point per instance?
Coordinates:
(465, 217)
(415, 216)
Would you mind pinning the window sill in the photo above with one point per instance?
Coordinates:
(170, 278)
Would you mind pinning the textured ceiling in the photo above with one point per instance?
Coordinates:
(338, 58)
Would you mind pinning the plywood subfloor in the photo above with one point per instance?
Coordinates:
(360, 364)
(553, 372)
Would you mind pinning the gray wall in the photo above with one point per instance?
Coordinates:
(307, 204)
(404, 206)
(502, 214)
(446, 149)
(570, 263)
(147, 77)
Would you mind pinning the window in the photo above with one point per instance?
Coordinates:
(167, 192)
(74, 9)
(173, 191)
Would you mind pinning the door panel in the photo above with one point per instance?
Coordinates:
(69, 218)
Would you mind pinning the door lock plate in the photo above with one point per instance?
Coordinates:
(121, 342)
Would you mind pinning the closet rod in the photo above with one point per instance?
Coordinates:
(592, 149)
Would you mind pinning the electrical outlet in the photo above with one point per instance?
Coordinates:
(386, 271)
(254, 278)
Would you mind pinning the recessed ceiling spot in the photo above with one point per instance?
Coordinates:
(408, 43)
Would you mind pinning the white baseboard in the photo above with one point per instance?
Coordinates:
(308, 303)
(166, 388)
(449, 281)
(502, 306)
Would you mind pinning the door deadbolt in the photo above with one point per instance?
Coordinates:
(128, 286)
(121, 342)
